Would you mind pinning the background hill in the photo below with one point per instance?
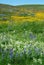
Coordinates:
(21, 12)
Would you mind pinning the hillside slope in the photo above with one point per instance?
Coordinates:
(22, 12)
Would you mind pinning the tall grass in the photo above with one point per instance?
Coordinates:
(22, 44)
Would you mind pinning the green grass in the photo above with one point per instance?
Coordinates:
(22, 44)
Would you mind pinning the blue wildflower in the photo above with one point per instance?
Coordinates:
(32, 36)
(11, 53)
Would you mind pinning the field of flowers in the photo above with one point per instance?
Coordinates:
(31, 16)
(22, 43)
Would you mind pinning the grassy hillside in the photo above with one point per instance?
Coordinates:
(21, 35)
(23, 12)
(21, 9)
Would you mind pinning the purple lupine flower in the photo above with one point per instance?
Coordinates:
(37, 50)
(11, 53)
(17, 54)
(21, 54)
(0, 49)
(29, 52)
(3, 54)
(24, 50)
(32, 36)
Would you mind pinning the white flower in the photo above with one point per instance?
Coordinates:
(25, 46)
(18, 42)
(9, 64)
(2, 45)
(11, 40)
(10, 45)
(14, 31)
(40, 61)
(31, 41)
(34, 60)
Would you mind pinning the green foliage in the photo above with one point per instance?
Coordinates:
(22, 44)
